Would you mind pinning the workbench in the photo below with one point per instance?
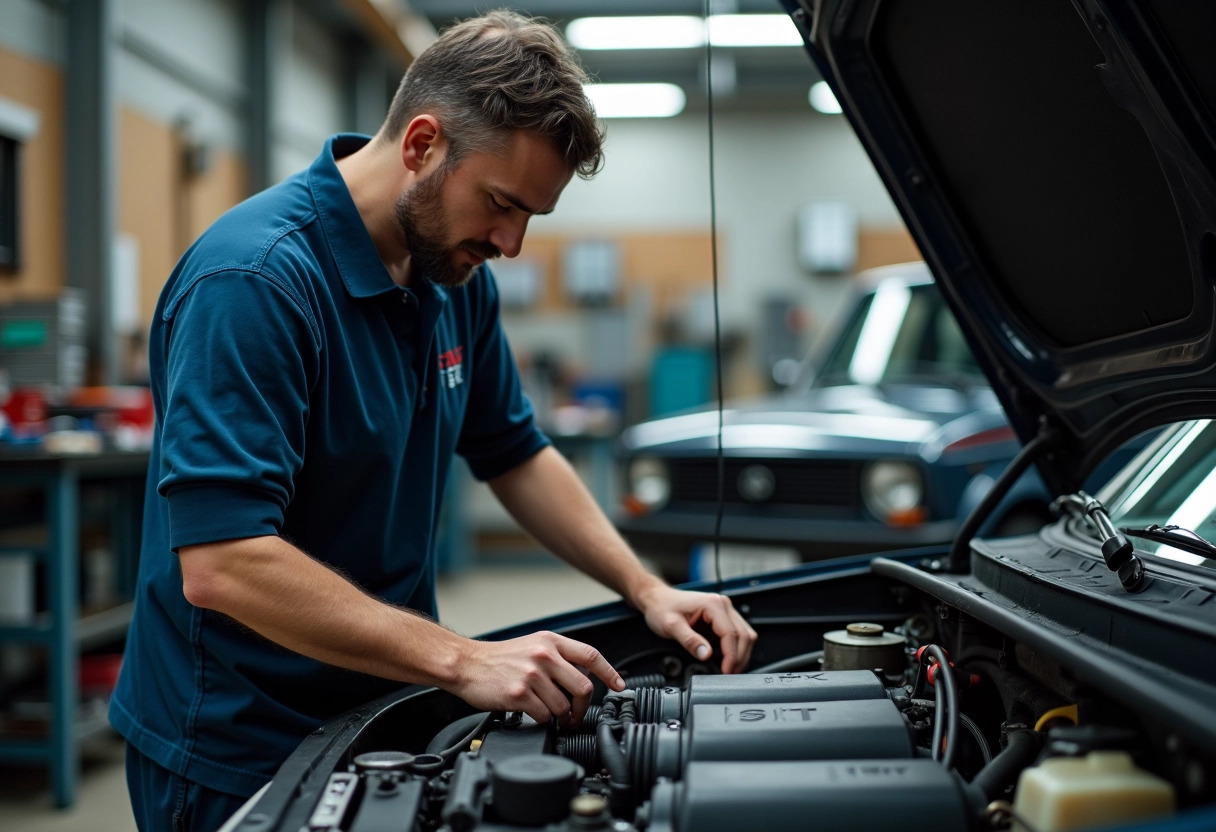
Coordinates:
(57, 623)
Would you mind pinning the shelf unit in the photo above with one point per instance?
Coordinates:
(59, 627)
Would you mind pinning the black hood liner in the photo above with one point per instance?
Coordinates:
(1055, 162)
(1055, 181)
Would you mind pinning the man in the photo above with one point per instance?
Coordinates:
(317, 357)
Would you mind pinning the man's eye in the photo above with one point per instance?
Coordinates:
(499, 206)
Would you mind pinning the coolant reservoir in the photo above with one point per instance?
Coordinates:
(1099, 789)
(864, 646)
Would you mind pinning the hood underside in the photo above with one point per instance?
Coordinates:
(1055, 162)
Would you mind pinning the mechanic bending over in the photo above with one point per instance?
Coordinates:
(317, 357)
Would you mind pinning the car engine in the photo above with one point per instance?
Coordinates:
(879, 729)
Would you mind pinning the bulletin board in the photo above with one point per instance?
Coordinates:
(885, 246)
(669, 265)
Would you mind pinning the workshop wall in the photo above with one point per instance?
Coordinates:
(181, 63)
(309, 100)
(181, 165)
(162, 206)
(180, 94)
(181, 121)
(33, 28)
(768, 166)
(655, 185)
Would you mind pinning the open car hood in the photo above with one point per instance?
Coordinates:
(1056, 163)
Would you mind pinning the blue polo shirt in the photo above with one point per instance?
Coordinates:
(299, 392)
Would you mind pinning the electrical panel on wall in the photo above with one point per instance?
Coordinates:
(827, 238)
(591, 271)
(519, 282)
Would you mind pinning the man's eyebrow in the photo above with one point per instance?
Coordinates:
(519, 203)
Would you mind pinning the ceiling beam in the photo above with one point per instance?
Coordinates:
(394, 27)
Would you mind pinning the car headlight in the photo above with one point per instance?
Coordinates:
(649, 485)
(894, 492)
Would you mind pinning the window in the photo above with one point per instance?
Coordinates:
(18, 125)
(10, 226)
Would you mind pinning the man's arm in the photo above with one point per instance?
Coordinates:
(288, 597)
(547, 498)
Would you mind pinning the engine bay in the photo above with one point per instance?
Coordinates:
(919, 715)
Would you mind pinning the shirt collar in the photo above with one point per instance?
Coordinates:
(358, 261)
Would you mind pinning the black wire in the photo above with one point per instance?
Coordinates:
(713, 246)
(642, 654)
(939, 712)
(792, 663)
(978, 736)
(969, 724)
(946, 696)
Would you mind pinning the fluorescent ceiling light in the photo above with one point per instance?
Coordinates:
(636, 100)
(753, 30)
(682, 32)
(659, 32)
(823, 99)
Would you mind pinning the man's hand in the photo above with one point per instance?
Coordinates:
(529, 674)
(673, 612)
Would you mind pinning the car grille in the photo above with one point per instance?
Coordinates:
(797, 482)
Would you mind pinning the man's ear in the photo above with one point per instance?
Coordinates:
(422, 144)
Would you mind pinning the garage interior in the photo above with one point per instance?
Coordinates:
(128, 126)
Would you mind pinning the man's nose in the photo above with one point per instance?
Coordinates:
(508, 235)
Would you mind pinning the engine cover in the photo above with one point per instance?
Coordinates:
(844, 796)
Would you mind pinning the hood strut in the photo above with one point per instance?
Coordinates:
(958, 560)
(1117, 550)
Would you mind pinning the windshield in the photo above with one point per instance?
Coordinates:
(901, 333)
(1171, 483)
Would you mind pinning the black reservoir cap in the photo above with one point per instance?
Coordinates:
(534, 789)
(383, 761)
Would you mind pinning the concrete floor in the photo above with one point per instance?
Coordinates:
(479, 600)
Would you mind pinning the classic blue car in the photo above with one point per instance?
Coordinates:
(890, 442)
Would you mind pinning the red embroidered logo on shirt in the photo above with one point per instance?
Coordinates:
(451, 365)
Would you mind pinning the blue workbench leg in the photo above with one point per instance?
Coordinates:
(127, 528)
(62, 508)
(454, 546)
(602, 472)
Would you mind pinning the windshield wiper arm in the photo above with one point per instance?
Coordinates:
(1176, 536)
(1117, 550)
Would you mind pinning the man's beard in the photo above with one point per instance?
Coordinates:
(424, 229)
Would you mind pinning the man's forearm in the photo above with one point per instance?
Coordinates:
(280, 592)
(288, 597)
(547, 498)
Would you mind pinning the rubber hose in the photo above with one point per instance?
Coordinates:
(454, 731)
(582, 749)
(612, 756)
(646, 680)
(940, 709)
(1015, 689)
(1020, 751)
(590, 719)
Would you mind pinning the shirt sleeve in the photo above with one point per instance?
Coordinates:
(241, 354)
(499, 430)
